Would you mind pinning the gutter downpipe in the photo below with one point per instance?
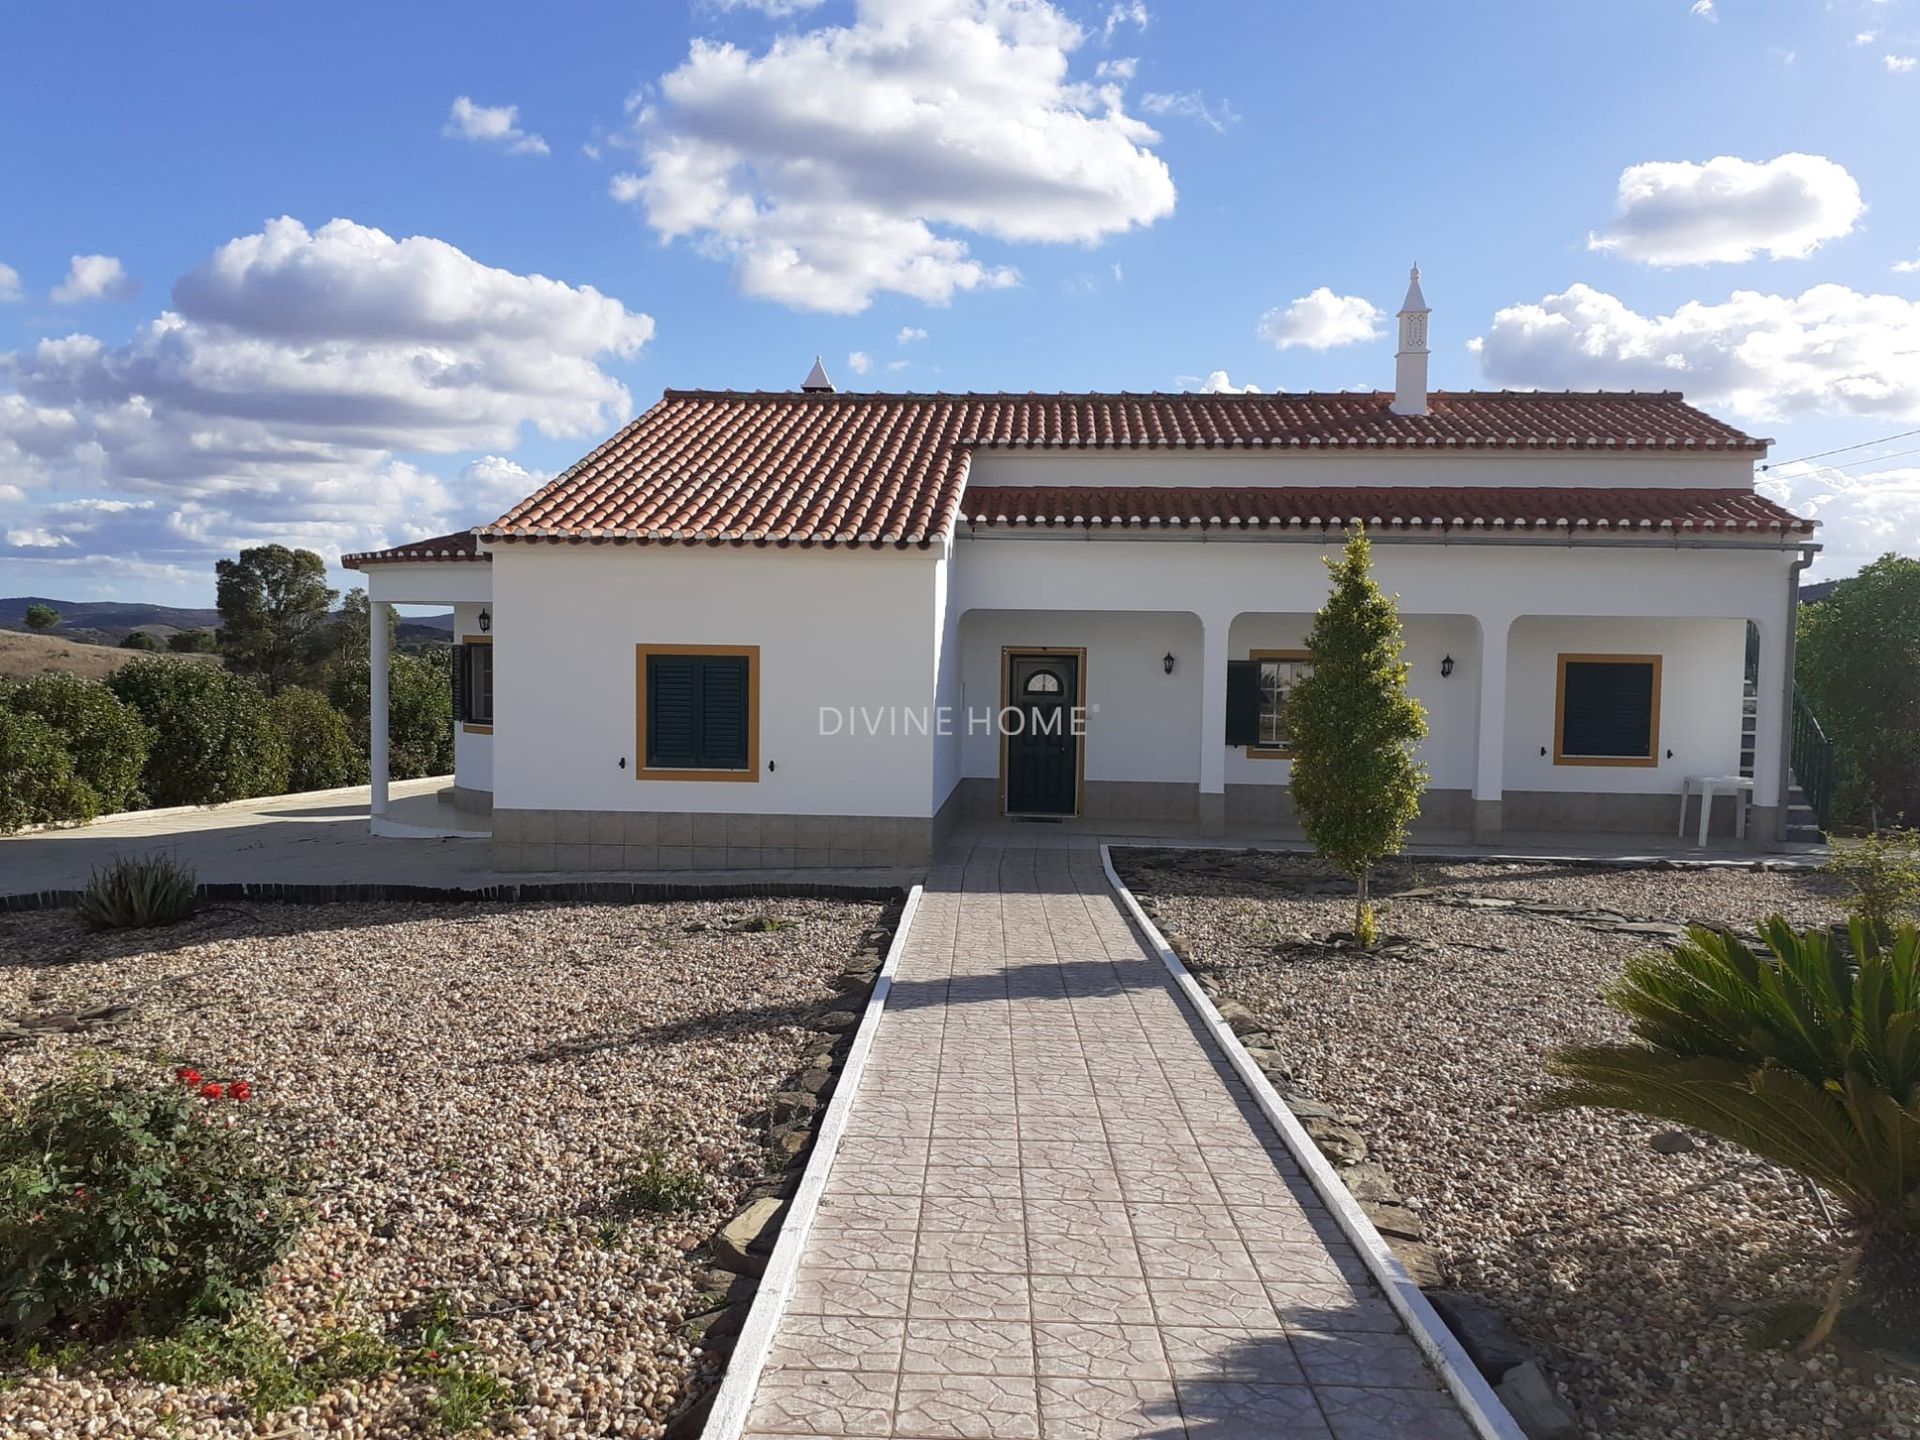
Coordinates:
(1791, 649)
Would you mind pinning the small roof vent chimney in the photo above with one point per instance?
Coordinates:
(1410, 361)
(817, 382)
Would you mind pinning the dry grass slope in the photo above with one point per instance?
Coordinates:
(23, 656)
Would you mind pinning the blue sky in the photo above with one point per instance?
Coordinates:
(958, 194)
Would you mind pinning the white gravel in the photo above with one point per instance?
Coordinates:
(1639, 1276)
(468, 1083)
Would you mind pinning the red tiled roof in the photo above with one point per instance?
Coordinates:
(1490, 507)
(810, 468)
(460, 546)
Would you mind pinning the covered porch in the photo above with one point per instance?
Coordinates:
(1569, 716)
(448, 571)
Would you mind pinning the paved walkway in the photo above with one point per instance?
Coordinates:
(1057, 1214)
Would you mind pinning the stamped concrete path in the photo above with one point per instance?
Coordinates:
(1057, 1213)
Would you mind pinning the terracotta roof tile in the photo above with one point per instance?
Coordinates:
(1490, 508)
(789, 467)
(461, 546)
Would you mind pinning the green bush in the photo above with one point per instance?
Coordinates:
(42, 618)
(321, 750)
(136, 893)
(193, 642)
(125, 1210)
(1804, 1055)
(205, 1352)
(139, 640)
(214, 737)
(1859, 662)
(37, 783)
(106, 738)
(1883, 871)
(419, 711)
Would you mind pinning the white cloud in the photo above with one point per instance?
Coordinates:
(1907, 267)
(1127, 12)
(1704, 10)
(898, 365)
(95, 277)
(1866, 37)
(9, 284)
(1215, 382)
(859, 362)
(1321, 320)
(1861, 517)
(1675, 212)
(281, 397)
(1899, 64)
(36, 539)
(1122, 68)
(491, 125)
(840, 162)
(910, 333)
(1192, 105)
(1828, 351)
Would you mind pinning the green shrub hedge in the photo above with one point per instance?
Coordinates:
(37, 783)
(214, 735)
(321, 750)
(105, 737)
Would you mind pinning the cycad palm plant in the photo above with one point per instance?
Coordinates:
(1808, 1055)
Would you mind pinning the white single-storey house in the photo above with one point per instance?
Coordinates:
(811, 628)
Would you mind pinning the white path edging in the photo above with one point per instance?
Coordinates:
(733, 1401)
(1481, 1407)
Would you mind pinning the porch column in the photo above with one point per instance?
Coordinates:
(1213, 723)
(377, 702)
(1489, 778)
(1770, 699)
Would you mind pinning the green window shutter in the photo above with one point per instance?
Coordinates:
(699, 712)
(1243, 702)
(462, 667)
(723, 712)
(480, 684)
(673, 712)
(1608, 711)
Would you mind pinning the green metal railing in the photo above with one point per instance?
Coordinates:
(1811, 756)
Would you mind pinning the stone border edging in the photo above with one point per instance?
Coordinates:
(1489, 1418)
(273, 892)
(734, 1399)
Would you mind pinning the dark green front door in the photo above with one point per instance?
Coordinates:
(1043, 753)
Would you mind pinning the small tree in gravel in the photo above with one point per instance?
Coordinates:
(1352, 727)
(1799, 1052)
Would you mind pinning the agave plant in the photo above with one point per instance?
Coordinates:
(1808, 1055)
(138, 891)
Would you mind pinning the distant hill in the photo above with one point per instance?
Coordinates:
(108, 622)
(1819, 590)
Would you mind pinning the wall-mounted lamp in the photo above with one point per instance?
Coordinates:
(1446, 667)
(486, 622)
(1166, 662)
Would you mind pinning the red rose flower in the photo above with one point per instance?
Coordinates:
(211, 1091)
(240, 1090)
(187, 1075)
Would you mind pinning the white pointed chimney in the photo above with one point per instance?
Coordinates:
(1410, 360)
(817, 381)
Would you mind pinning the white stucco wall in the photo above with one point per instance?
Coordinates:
(472, 751)
(1141, 721)
(1702, 674)
(1272, 468)
(1452, 708)
(835, 628)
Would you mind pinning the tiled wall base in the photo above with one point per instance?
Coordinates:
(978, 798)
(1273, 805)
(468, 800)
(1564, 812)
(545, 840)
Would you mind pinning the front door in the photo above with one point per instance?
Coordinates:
(1043, 753)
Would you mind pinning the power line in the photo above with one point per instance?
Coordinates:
(1842, 449)
(1848, 470)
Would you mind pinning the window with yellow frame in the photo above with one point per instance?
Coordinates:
(1280, 672)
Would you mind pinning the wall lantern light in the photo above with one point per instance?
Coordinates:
(1166, 662)
(486, 622)
(1446, 667)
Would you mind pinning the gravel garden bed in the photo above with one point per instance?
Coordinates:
(1644, 1280)
(485, 1098)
